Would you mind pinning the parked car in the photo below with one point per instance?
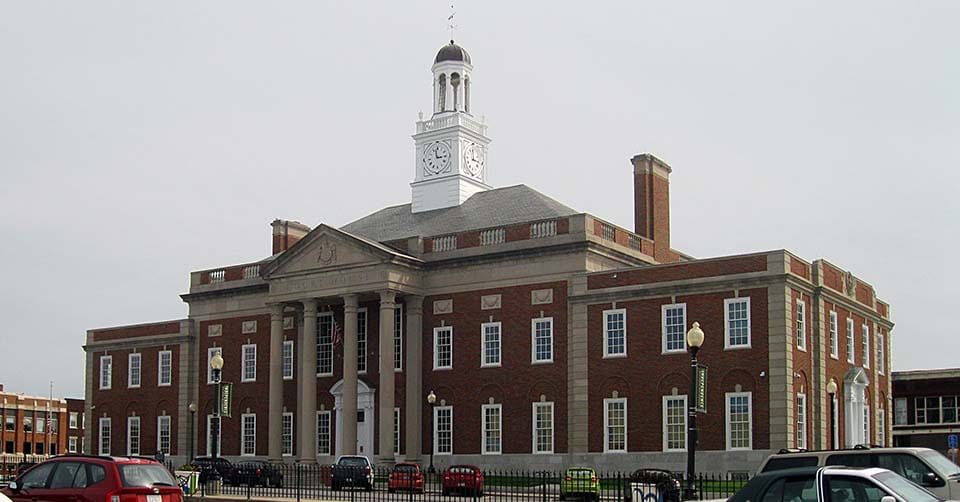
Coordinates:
(925, 467)
(405, 476)
(213, 468)
(85, 478)
(255, 473)
(832, 484)
(352, 470)
(644, 482)
(465, 479)
(580, 482)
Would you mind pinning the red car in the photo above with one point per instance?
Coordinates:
(466, 479)
(405, 476)
(85, 478)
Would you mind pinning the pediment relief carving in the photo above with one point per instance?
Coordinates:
(326, 251)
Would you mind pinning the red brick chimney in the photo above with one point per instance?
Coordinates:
(651, 204)
(287, 233)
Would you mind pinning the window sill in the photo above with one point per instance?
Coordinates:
(732, 347)
(615, 356)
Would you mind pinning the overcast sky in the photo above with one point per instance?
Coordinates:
(142, 140)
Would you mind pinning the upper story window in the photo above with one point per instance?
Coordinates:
(325, 344)
(881, 356)
(74, 420)
(673, 321)
(737, 322)
(801, 325)
(287, 359)
(935, 410)
(398, 338)
(164, 368)
(542, 338)
(490, 351)
(249, 364)
(834, 344)
(133, 370)
(866, 345)
(361, 340)
(850, 344)
(615, 333)
(900, 411)
(106, 372)
(443, 348)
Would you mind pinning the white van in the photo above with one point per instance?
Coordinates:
(925, 467)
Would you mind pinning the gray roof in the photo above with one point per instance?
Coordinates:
(488, 209)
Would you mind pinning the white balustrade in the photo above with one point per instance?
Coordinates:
(608, 232)
(494, 236)
(445, 243)
(543, 229)
(218, 275)
(251, 271)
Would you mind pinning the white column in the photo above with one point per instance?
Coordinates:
(348, 436)
(308, 387)
(386, 391)
(274, 430)
(414, 373)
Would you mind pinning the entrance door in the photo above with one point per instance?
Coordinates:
(366, 399)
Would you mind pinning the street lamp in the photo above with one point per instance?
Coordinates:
(193, 413)
(432, 400)
(216, 364)
(832, 390)
(694, 341)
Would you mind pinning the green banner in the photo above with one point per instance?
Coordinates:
(700, 403)
(226, 399)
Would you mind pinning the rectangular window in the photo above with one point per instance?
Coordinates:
(881, 428)
(398, 338)
(11, 421)
(443, 430)
(900, 411)
(133, 370)
(71, 445)
(27, 424)
(802, 421)
(737, 322)
(287, 359)
(543, 427)
(674, 423)
(673, 320)
(801, 325)
(615, 425)
(41, 425)
(248, 434)
(163, 434)
(615, 333)
(396, 431)
(249, 366)
(164, 368)
(361, 340)
(54, 424)
(850, 344)
(213, 434)
(739, 421)
(491, 344)
(323, 433)
(106, 372)
(881, 353)
(866, 345)
(948, 405)
(105, 436)
(325, 344)
(39, 449)
(542, 340)
(928, 410)
(443, 348)
(866, 424)
(834, 344)
(74, 420)
(286, 434)
(492, 429)
(212, 351)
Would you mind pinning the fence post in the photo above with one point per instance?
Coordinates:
(296, 476)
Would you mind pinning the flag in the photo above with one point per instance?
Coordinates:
(337, 334)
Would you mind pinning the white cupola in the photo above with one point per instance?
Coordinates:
(451, 146)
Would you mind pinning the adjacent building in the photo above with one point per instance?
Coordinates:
(925, 408)
(34, 426)
(547, 335)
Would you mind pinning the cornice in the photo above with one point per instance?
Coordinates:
(686, 286)
(226, 291)
(136, 343)
(834, 297)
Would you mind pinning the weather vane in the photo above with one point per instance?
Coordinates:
(450, 24)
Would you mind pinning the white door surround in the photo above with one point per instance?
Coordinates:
(855, 383)
(366, 401)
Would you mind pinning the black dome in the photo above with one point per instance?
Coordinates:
(452, 52)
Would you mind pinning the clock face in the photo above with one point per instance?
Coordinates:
(436, 158)
(473, 159)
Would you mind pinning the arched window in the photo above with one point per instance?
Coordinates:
(455, 83)
(442, 100)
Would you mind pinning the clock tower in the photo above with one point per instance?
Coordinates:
(451, 147)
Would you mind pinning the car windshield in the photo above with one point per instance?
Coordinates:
(580, 473)
(145, 475)
(461, 470)
(904, 488)
(940, 463)
(406, 468)
(353, 461)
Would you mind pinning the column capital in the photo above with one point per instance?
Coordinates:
(387, 297)
(309, 306)
(350, 301)
(413, 303)
(276, 310)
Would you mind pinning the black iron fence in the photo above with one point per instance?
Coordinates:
(316, 482)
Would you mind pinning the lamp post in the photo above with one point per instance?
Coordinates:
(216, 364)
(694, 341)
(832, 391)
(432, 400)
(193, 413)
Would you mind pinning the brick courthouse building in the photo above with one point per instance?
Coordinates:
(549, 336)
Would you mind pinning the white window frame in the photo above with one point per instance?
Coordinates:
(801, 319)
(802, 420)
(72, 444)
(881, 353)
(288, 356)
(851, 342)
(436, 351)
(396, 431)
(286, 434)
(163, 423)
(134, 377)
(900, 413)
(608, 315)
(210, 352)
(324, 343)
(161, 365)
(727, 333)
(363, 324)
(484, 431)
(484, 341)
(834, 335)
(866, 424)
(881, 427)
(324, 426)
(536, 428)
(74, 420)
(727, 397)
(663, 328)
(533, 340)
(210, 420)
(436, 429)
(398, 338)
(685, 413)
(106, 438)
(248, 367)
(248, 429)
(606, 424)
(106, 372)
(865, 333)
(133, 432)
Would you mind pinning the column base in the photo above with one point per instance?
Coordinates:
(388, 460)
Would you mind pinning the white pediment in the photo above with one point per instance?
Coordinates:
(325, 248)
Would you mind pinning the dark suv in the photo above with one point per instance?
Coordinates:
(213, 468)
(84, 478)
(352, 470)
(255, 473)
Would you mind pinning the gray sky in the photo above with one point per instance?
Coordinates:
(142, 140)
